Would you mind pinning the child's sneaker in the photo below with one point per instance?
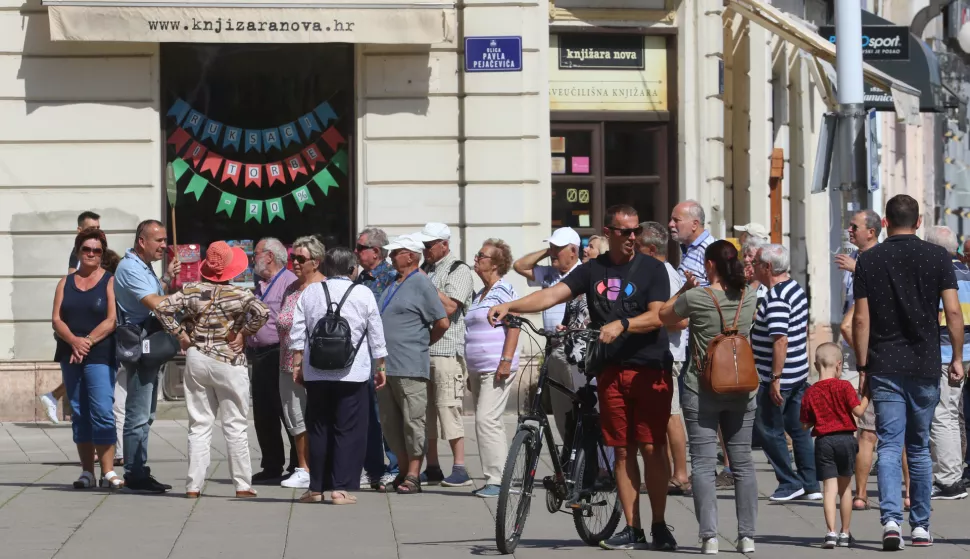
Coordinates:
(845, 540)
(830, 541)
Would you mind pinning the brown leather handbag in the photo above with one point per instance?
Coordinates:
(728, 366)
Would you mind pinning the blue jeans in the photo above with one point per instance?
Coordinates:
(91, 391)
(773, 422)
(376, 445)
(139, 415)
(904, 412)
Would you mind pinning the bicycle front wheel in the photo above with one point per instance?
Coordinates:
(596, 513)
(515, 496)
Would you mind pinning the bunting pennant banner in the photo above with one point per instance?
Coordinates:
(274, 209)
(227, 203)
(232, 138)
(211, 130)
(196, 153)
(325, 112)
(325, 180)
(309, 123)
(232, 171)
(179, 138)
(339, 161)
(312, 154)
(333, 138)
(302, 197)
(196, 186)
(254, 210)
(212, 163)
(274, 173)
(296, 167)
(254, 140)
(179, 110)
(179, 167)
(288, 134)
(271, 138)
(254, 174)
(194, 122)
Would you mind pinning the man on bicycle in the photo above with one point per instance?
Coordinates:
(625, 290)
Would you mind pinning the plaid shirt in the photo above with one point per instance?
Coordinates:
(378, 279)
(222, 308)
(456, 285)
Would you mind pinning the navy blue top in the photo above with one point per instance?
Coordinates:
(82, 311)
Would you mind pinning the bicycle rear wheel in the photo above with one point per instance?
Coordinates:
(596, 513)
(515, 496)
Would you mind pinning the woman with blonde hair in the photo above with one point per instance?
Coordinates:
(596, 246)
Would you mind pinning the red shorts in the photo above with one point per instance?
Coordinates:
(634, 404)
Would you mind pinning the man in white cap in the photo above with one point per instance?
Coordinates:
(414, 319)
(752, 230)
(564, 250)
(453, 280)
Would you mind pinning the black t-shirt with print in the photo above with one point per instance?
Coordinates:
(73, 261)
(603, 281)
(903, 279)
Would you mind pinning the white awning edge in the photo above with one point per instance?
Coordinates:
(905, 97)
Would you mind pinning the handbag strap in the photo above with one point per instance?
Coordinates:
(737, 313)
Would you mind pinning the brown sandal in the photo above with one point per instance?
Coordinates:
(342, 498)
(857, 506)
(410, 486)
(677, 489)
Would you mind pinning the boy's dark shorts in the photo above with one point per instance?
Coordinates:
(835, 455)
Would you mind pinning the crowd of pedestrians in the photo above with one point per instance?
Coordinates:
(362, 357)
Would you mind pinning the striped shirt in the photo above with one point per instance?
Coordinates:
(693, 258)
(483, 343)
(457, 285)
(784, 312)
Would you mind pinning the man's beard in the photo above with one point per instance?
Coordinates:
(260, 268)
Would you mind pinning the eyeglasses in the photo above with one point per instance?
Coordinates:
(481, 256)
(94, 251)
(362, 248)
(625, 232)
(299, 259)
(853, 227)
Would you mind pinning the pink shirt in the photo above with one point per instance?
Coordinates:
(271, 293)
(284, 322)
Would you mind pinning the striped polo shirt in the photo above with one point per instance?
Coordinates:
(692, 259)
(783, 312)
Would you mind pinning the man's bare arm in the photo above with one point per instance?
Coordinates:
(542, 299)
(846, 328)
(524, 266)
(860, 331)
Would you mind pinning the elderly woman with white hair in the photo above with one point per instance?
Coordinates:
(307, 257)
(749, 251)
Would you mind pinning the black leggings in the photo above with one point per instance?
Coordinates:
(336, 421)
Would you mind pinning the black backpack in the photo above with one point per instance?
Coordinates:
(331, 347)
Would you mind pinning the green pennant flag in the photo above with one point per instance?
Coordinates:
(196, 186)
(226, 204)
(324, 180)
(339, 160)
(302, 197)
(254, 210)
(274, 209)
(180, 167)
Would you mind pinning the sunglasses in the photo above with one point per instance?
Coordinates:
(853, 227)
(298, 259)
(625, 232)
(362, 248)
(481, 256)
(94, 251)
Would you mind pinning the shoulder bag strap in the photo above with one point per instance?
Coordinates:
(340, 305)
(625, 279)
(326, 293)
(717, 306)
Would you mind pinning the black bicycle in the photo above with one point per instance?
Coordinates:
(583, 481)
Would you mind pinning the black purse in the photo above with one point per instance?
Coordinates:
(147, 345)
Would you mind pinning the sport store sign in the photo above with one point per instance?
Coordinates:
(879, 42)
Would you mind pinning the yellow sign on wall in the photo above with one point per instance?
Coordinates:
(637, 81)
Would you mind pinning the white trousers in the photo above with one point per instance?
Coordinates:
(121, 396)
(215, 386)
(490, 398)
(945, 442)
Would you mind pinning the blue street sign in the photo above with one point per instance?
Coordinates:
(493, 54)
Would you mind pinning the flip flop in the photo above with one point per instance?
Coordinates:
(857, 506)
(677, 489)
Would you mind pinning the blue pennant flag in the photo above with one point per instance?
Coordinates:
(325, 112)
(194, 122)
(271, 138)
(211, 130)
(254, 140)
(288, 134)
(233, 137)
(179, 109)
(309, 124)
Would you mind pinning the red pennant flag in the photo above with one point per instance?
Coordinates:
(274, 172)
(231, 171)
(179, 138)
(211, 164)
(333, 138)
(312, 154)
(296, 167)
(196, 153)
(254, 175)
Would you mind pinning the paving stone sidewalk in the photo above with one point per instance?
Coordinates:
(42, 517)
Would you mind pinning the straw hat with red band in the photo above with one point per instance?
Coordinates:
(223, 263)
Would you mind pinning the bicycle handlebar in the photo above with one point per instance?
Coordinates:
(517, 321)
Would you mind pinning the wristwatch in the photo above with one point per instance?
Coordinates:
(625, 323)
(505, 359)
(776, 377)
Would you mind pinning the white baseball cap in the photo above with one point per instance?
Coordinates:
(406, 242)
(754, 229)
(433, 232)
(564, 236)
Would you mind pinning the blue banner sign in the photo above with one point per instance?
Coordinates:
(493, 54)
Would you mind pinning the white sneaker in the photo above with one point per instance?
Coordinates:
(365, 480)
(892, 539)
(746, 545)
(387, 478)
(709, 546)
(300, 479)
(50, 407)
(812, 496)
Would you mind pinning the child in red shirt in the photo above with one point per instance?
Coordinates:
(827, 409)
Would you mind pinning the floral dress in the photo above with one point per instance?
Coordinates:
(284, 322)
